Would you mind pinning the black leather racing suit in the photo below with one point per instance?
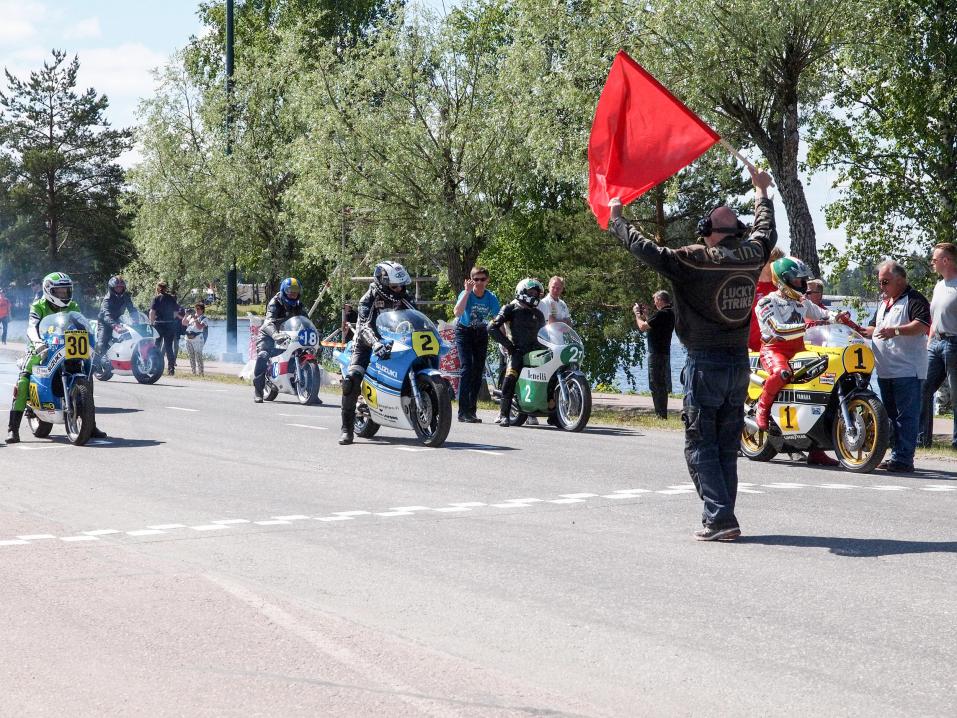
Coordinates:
(373, 302)
(111, 309)
(523, 323)
(276, 313)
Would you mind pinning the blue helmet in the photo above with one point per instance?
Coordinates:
(289, 291)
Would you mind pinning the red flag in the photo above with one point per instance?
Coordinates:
(641, 135)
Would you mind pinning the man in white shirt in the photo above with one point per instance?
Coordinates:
(552, 306)
(942, 341)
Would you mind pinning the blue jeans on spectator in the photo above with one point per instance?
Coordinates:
(715, 385)
(941, 367)
(902, 399)
(472, 345)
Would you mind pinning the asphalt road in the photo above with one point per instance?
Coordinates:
(215, 557)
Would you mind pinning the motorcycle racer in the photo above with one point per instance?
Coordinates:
(287, 303)
(115, 303)
(523, 320)
(781, 318)
(387, 291)
(57, 296)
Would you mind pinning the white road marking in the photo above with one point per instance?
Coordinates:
(99, 442)
(14, 542)
(26, 447)
(294, 517)
(307, 426)
(938, 488)
(180, 408)
(468, 504)
(785, 485)
(167, 527)
(410, 508)
(671, 492)
(145, 532)
(36, 537)
(839, 486)
(566, 501)
(578, 496)
(209, 527)
(79, 538)
(620, 496)
(888, 487)
(525, 501)
(335, 518)
(637, 491)
(351, 513)
(101, 532)
(411, 448)
(395, 513)
(274, 522)
(450, 509)
(230, 522)
(486, 452)
(749, 491)
(512, 505)
(298, 416)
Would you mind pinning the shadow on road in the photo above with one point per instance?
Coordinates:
(611, 431)
(452, 445)
(115, 410)
(863, 548)
(111, 442)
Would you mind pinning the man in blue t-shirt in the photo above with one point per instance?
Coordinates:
(475, 306)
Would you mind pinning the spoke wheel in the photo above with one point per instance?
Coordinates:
(80, 416)
(364, 426)
(150, 370)
(433, 419)
(755, 444)
(574, 410)
(307, 382)
(862, 450)
(41, 429)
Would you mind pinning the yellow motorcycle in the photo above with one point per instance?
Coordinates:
(828, 404)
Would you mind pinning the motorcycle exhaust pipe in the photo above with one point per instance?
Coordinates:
(755, 379)
(751, 424)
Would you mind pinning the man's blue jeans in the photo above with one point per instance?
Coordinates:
(472, 345)
(941, 367)
(715, 385)
(902, 399)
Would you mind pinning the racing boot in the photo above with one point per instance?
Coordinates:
(97, 433)
(13, 430)
(772, 385)
(348, 426)
(508, 392)
(817, 457)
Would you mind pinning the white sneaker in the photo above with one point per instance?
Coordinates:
(531, 421)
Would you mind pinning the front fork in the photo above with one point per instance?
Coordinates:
(850, 426)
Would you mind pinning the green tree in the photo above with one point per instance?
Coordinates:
(891, 132)
(59, 170)
(756, 71)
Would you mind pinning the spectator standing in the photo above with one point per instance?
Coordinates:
(349, 318)
(37, 288)
(714, 286)
(163, 317)
(197, 328)
(659, 330)
(474, 307)
(942, 342)
(4, 315)
(552, 306)
(765, 287)
(898, 330)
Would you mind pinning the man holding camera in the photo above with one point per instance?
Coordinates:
(659, 330)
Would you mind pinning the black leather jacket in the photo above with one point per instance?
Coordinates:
(113, 306)
(523, 322)
(276, 313)
(374, 301)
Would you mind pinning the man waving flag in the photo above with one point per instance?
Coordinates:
(641, 135)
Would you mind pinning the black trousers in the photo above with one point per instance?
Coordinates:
(659, 381)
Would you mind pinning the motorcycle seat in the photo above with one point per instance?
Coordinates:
(538, 357)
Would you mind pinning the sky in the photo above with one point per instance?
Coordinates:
(119, 43)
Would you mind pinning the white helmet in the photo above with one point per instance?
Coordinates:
(58, 289)
(392, 278)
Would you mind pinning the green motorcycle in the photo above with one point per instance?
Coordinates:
(551, 381)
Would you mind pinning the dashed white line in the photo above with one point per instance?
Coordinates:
(411, 448)
(180, 408)
(274, 522)
(938, 488)
(14, 542)
(578, 496)
(145, 532)
(101, 532)
(395, 513)
(889, 488)
(565, 501)
(351, 513)
(79, 538)
(167, 527)
(335, 518)
(294, 517)
(309, 426)
(409, 508)
(209, 527)
(486, 452)
(230, 522)
(451, 509)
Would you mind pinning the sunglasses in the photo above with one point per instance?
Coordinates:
(479, 279)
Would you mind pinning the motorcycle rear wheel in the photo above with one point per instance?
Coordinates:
(80, 418)
(870, 416)
(364, 427)
(271, 392)
(103, 368)
(755, 444)
(151, 370)
(41, 429)
(433, 419)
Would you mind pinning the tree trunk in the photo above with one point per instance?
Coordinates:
(803, 237)
(661, 224)
(459, 263)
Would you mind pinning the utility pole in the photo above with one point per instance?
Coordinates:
(231, 355)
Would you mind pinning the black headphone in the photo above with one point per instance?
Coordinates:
(704, 227)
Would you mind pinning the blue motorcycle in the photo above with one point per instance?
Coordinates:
(61, 387)
(404, 390)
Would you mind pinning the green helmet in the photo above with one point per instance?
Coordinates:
(790, 275)
(529, 291)
(58, 289)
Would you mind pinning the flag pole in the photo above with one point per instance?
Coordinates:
(733, 150)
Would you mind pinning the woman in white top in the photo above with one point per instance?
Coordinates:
(196, 328)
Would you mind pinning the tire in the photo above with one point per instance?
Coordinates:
(364, 427)
(152, 370)
(573, 415)
(271, 392)
(102, 369)
(80, 420)
(516, 417)
(433, 420)
(41, 429)
(755, 444)
(307, 383)
(862, 456)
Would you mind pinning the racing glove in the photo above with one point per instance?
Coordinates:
(281, 340)
(382, 349)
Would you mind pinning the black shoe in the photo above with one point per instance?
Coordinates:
(97, 433)
(896, 467)
(473, 419)
(463, 419)
(258, 396)
(711, 533)
(504, 422)
(13, 436)
(346, 437)
(553, 420)
(13, 428)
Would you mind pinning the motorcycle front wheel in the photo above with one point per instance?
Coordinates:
(574, 411)
(307, 383)
(150, 370)
(433, 419)
(41, 429)
(862, 452)
(81, 413)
